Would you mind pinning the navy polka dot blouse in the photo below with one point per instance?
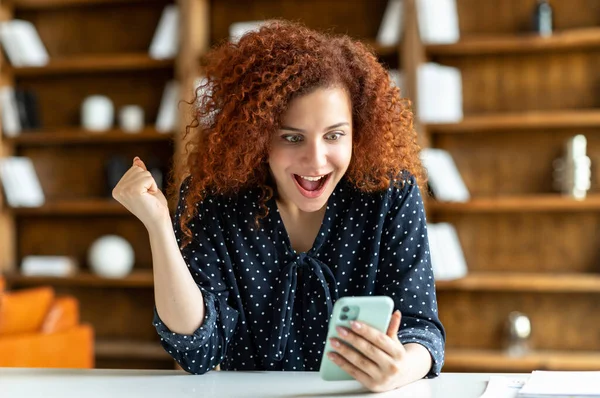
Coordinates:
(267, 306)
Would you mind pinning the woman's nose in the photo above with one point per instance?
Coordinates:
(315, 155)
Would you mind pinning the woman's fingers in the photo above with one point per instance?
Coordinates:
(138, 162)
(394, 325)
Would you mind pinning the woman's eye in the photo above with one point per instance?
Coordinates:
(292, 138)
(334, 136)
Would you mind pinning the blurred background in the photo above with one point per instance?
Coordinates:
(507, 98)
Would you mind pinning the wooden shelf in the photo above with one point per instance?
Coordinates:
(94, 63)
(79, 136)
(575, 39)
(130, 349)
(47, 5)
(495, 360)
(135, 279)
(85, 207)
(520, 121)
(382, 50)
(518, 204)
(524, 282)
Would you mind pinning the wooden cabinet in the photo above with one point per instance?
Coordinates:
(528, 248)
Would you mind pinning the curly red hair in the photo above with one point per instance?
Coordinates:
(250, 84)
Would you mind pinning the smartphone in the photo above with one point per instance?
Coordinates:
(375, 311)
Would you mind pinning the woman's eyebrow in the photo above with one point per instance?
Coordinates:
(327, 128)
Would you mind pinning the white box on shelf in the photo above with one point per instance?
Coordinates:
(48, 265)
(447, 258)
(30, 44)
(10, 43)
(11, 124)
(22, 44)
(444, 178)
(399, 80)
(392, 23)
(439, 98)
(165, 42)
(166, 120)
(239, 29)
(20, 182)
(438, 21)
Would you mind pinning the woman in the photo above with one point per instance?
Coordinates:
(301, 187)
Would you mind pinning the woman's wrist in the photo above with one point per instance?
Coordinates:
(419, 359)
(160, 226)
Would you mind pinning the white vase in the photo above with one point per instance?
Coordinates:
(131, 118)
(97, 113)
(111, 256)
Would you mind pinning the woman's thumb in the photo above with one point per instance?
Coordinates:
(138, 162)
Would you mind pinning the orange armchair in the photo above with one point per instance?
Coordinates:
(38, 329)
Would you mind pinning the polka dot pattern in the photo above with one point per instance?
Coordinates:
(267, 306)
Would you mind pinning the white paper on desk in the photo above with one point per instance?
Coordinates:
(503, 387)
(562, 384)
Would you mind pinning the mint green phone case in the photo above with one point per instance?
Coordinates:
(375, 311)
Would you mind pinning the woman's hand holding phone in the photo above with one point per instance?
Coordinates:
(138, 192)
(379, 361)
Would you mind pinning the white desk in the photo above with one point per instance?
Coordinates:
(67, 383)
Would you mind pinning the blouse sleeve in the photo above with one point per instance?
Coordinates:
(207, 260)
(406, 274)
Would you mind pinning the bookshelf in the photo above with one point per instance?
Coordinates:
(528, 248)
(95, 48)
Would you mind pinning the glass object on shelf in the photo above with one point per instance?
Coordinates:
(517, 334)
(542, 18)
(572, 173)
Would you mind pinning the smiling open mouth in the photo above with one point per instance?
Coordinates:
(310, 186)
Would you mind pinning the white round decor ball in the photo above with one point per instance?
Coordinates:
(111, 256)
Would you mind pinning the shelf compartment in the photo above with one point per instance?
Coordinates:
(520, 121)
(94, 63)
(518, 204)
(85, 207)
(573, 39)
(79, 136)
(496, 360)
(136, 279)
(524, 282)
(118, 349)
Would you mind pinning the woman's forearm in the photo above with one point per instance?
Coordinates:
(179, 301)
